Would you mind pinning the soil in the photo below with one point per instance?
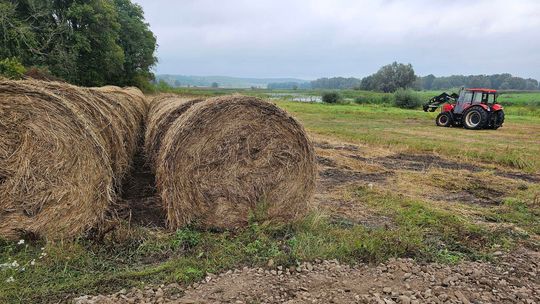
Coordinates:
(329, 146)
(511, 278)
(422, 162)
(334, 176)
(139, 196)
(476, 197)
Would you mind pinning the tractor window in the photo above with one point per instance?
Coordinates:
(477, 97)
(466, 97)
(491, 98)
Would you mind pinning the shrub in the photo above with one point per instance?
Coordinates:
(362, 100)
(11, 68)
(331, 97)
(407, 99)
(186, 239)
(386, 98)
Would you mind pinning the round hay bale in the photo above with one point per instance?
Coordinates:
(107, 116)
(131, 98)
(55, 173)
(227, 158)
(131, 108)
(164, 110)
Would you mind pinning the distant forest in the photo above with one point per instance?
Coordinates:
(497, 81)
(430, 82)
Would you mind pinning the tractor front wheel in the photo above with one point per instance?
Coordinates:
(498, 120)
(444, 119)
(475, 118)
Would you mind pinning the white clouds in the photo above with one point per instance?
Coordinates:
(347, 37)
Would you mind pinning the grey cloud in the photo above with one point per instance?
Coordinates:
(345, 37)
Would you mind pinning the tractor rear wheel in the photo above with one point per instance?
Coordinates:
(444, 119)
(498, 119)
(475, 118)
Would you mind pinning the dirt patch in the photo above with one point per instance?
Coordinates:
(422, 162)
(478, 197)
(329, 146)
(512, 278)
(139, 196)
(327, 162)
(530, 178)
(332, 177)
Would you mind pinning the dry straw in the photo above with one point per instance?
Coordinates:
(164, 110)
(226, 158)
(63, 150)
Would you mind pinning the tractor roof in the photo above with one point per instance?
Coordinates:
(482, 90)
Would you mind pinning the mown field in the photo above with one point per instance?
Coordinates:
(391, 185)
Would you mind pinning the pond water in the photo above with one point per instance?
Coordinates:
(295, 97)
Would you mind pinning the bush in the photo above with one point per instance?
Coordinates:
(407, 99)
(331, 97)
(12, 68)
(386, 99)
(362, 100)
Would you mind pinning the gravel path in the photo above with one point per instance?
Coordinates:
(510, 278)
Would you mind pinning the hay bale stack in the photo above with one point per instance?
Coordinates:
(228, 157)
(63, 150)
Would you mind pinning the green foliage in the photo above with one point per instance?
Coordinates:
(389, 78)
(138, 43)
(331, 97)
(497, 81)
(11, 68)
(86, 42)
(186, 239)
(335, 83)
(407, 99)
(17, 39)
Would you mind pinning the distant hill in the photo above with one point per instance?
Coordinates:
(224, 81)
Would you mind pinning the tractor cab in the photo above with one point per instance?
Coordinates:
(469, 97)
(471, 108)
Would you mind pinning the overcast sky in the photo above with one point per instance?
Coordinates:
(319, 38)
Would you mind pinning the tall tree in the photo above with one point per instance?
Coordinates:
(138, 43)
(87, 42)
(16, 37)
(391, 77)
(95, 30)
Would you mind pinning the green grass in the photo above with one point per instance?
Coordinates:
(515, 145)
(186, 256)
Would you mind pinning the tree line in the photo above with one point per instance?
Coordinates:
(392, 77)
(498, 81)
(85, 42)
(290, 85)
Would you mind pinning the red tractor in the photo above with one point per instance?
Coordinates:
(472, 109)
